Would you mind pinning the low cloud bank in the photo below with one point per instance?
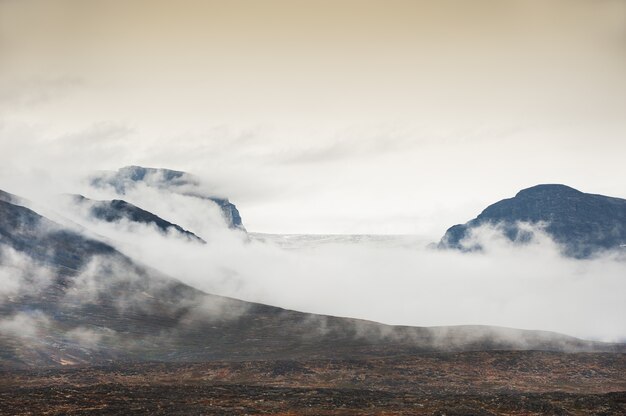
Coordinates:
(530, 286)
(19, 273)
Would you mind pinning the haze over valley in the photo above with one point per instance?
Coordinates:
(316, 207)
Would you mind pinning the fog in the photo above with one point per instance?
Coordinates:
(19, 273)
(400, 119)
(375, 117)
(395, 280)
(399, 280)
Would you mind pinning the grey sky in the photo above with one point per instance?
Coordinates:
(349, 117)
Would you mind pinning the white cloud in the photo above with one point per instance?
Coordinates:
(528, 286)
(25, 325)
(20, 275)
(409, 139)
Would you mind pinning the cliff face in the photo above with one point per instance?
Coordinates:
(582, 223)
(175, 181)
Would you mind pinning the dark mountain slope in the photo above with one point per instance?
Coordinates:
(117, 209)
(45, 241)
(172, 180)
(99, 305)
(584, 224)
(7, 197)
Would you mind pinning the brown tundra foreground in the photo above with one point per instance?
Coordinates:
(462, 383)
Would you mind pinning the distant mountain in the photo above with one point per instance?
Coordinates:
(117, 209)
(99, 305)
(174, 181)
(584, 224)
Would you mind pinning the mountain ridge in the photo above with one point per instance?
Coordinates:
(118, 209)
(175, 181)
(583, 224)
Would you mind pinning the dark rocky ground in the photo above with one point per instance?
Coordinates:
(115, 399)
(476, 383)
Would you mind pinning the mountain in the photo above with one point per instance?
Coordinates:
(174, 181)
(117, 209)
(8, 197)
(583, 224)
(81, 301)
(46, 241)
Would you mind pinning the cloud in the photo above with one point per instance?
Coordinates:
(20, 275)
(394, 280)
(89, 338)
(376, 139)
(26, 94)
(25, 325)
(409, 139)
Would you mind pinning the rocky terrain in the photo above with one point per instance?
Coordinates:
(477, 383)
(584, 224)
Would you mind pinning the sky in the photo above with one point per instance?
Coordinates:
(319, 117)
(345, 116)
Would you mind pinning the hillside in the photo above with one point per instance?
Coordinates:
(583, 224)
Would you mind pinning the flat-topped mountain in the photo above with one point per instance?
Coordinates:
(583, 224)
(174, 181)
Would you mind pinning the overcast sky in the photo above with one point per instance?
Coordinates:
(320, 116)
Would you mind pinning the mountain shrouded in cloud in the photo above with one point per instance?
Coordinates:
(339, 275)
(127, 178)
(26, 231)
(350, 134)
(95, 304)
(584, 224)
(117, 210)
